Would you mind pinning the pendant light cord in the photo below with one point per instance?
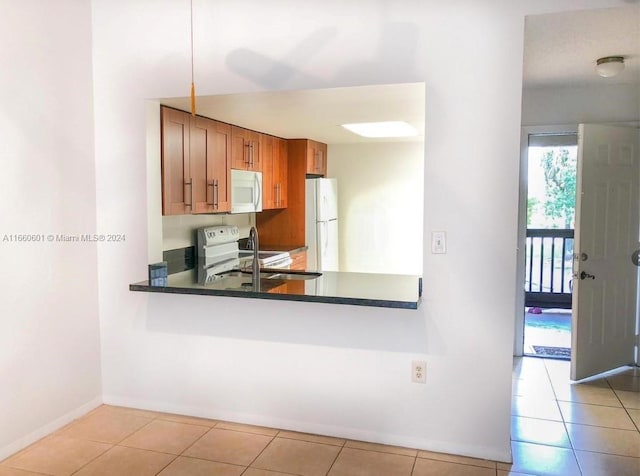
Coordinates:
(193, 86)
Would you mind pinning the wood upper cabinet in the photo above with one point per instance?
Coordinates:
(176, 172)
(245, 149)
(195, 164)
(210, 167)
(281, 171)
(286, 226)
(268, 177)
(273, 151)
(316, 158)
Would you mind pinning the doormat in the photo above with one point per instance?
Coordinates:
(558, 352)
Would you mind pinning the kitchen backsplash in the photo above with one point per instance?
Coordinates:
(179, 231)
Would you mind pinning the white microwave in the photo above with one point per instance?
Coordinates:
(246, 191)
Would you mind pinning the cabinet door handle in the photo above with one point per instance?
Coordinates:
(216, 189)
(248, 156)
(188, 183)
(210, 183)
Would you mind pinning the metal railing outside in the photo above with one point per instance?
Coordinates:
(549, 268)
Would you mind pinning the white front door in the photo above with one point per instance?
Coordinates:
(605, 283)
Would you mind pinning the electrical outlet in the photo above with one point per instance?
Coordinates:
(419, 371)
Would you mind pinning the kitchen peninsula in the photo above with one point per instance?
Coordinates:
(360, 289)
(202, 158)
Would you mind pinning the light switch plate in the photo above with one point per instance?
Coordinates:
(438, 242)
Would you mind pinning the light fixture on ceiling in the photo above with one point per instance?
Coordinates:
(610, 66)
(382, 129)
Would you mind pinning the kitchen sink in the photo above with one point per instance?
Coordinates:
(273, 274)
(289, 275)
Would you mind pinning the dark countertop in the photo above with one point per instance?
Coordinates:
(361, 289)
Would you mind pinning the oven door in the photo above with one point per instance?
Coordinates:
(246, 191)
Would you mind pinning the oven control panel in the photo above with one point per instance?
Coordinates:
(216, 235)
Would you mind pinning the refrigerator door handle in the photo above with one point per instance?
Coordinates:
(326, 238)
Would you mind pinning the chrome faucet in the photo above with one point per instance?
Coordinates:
(255, 243)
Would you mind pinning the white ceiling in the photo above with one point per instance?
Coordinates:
(562, 48)
(559, 49)
(316, 114)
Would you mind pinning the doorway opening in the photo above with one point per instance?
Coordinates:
(551, 199)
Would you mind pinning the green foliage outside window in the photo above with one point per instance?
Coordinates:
(560, 185)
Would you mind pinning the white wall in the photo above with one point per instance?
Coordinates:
(380, 198)
(576, 104)
(49, 341)
(332, 369)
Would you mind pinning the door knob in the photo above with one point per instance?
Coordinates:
(585, 275)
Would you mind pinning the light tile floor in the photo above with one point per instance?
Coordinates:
(564, 428)
(558, 428)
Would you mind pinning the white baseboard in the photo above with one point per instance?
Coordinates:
(50, 427)
(318, 429)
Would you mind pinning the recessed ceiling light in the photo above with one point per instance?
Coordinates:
(382, 129)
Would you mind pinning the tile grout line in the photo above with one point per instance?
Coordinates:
(30, 471)
(625, 408)
(166, 465)
(308, 441)
(200, 458)
(469, 464)
(564, 423)
(386, 452)
(93, 459)
(197, 439)
(342, 447)
(336, 458)
(415, 461)
(261, 451)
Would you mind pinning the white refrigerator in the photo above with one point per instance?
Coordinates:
(322, 224)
